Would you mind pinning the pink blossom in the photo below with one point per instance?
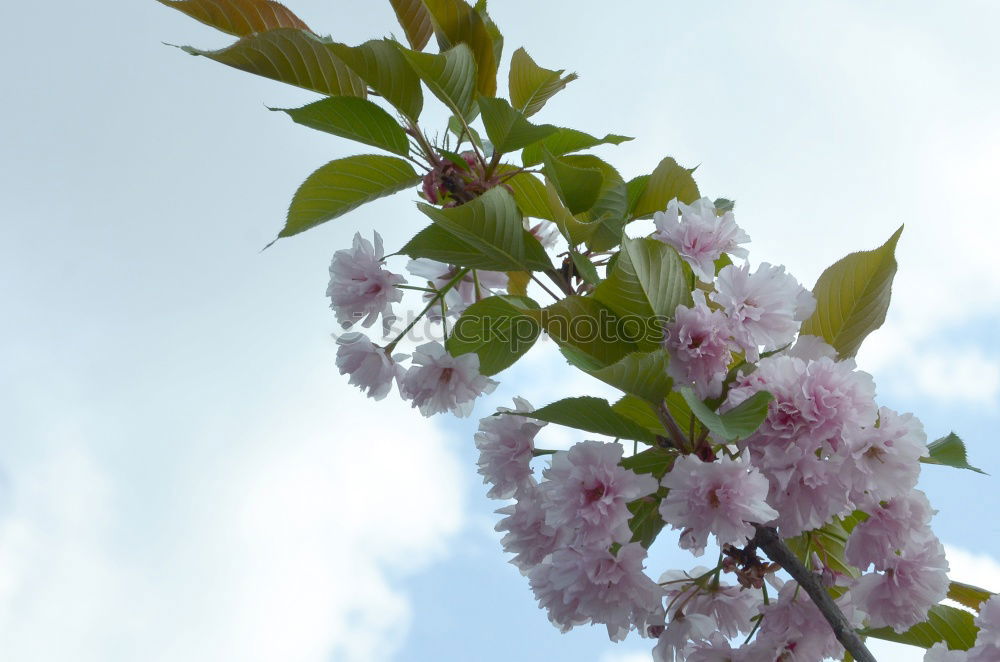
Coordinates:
(464, 293)
(589, 584)
(806, 490)
(766, 307)
(896, 527)
(901, 596)
(506, 442)
(988, 622)
(546, 232)
(528, 537)
(588, 490)
(699, 341)
(730, 607)
(438, 381)
(939, 653)
(716, 649)
(794, 629)
(811, 348)
(887, 458)
(369, 367)
(983, 653)
(700, 236)
(682, 629)
(360, 288)
(720, 497)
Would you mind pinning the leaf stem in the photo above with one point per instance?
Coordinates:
(438, 296)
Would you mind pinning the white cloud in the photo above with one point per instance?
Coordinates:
(288, 547)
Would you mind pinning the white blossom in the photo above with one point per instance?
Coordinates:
(361, 288)
(438, 382)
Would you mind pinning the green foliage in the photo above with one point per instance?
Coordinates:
(577, 187)
(949, 451)
(646, 522)
(655, 461)
(290, 56)
(967, 595)
(531, 85)
(353, 118)
(492, 225)
(643, 374)
(587, 326)
(650, 194)
(563, 141)
(573, 229)
(852, 297)
(529, 193)
(608, 212)
(450, 76)
(456, 23)
(343, 185)
(737, 423)
(955, 627)
(507, 128)
(239, 17)
(380, 63)
(415, 20)
(647, 280)
(584, 267)
(828, 542)
(594, 415)
(497, 329)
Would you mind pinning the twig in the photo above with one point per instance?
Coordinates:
(767, 539)
(671, 425)
(542, 285)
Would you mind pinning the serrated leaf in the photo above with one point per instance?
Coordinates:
(456, 127)
(588, 326)
(343, 185)
(507, 128)
(415, 20)
(436, 243)
(955, 627)
(968, 595)
(456, 22)
(492, 224)
(573, 229)
(517, 282)
(584, 267)
(642, 373)
(497, 330)
(296, 57)
(450, 76)
(594, 415)
(531, 85)
(641, 411)
(647, 281)
(380, 63)
(529, 193)
(667, 181)
(608, 211)
(353, 118)
(655, 461)
(577, 187)
(239, 17)
(828, 542)
(737, 423)
(950, 452)
(563, 141)
(646, 521)
(852, 297)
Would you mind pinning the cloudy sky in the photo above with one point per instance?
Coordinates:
(184, 476)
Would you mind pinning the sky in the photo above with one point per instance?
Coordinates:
(183, 473)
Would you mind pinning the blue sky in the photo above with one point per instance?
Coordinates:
(184, 476)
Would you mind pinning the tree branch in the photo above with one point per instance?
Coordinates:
(767, 539)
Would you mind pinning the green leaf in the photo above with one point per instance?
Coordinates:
(450, 76)
(507, 128)
(456, 22)
(239, 17)
(564, 141)
(492, 224)
(646, 522)
(380, 63)
(355, 119)
(667, 181)
(949, 451)
(529, 193)
(609, 210)
(722, 205)
(290, 56)
(436, 243)
(852, 297)
(587, 326)
(584, 267)
(828, 542)
(343, 185)
(647, 281)
(737, 423)
(455, 126)
(955, 627)
(531, 85)
(643, 374)
(573, 229)
(577, 187)
(655, 461)
(497, 329)
(415, 21)
(594, 415)
(968, 595)
(641, 411)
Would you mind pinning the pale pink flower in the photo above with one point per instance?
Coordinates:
(589, 584)
(588, 490)
(361, 288)
(700, 236)
(896, 527)
(794, 629)
(730, 607)
(438, 382)
(369, 367)
(988, 622)
(766, 307)
(716, 649)
(464, 293)
(887, 458)
(546, 232)
(699, 341)
(528, 537)
(682, 629)
(806, 490)
(506, 444)
(811, 348)
(901, 596)
(939, 653)
(721, 497)
(983, 653)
